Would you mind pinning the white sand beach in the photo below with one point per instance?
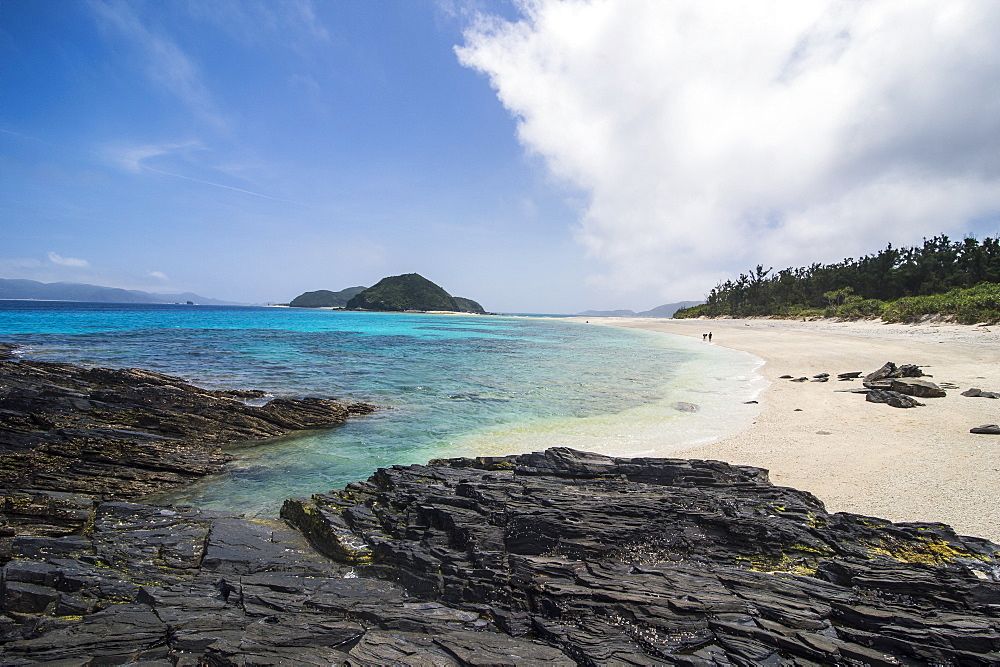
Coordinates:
(917, 464)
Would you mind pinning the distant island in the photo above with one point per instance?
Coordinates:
(34, 290)
(666, 310)
(956, 279)
(408, 292)
(325, 298)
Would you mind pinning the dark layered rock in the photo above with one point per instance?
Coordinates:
(182, 586)
(914, 387)
(979, 393)
(72, 436)
(648, 561)
(986, 429)
(892, 398)
(881, 378)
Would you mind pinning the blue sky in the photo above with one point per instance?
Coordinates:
(543, 157)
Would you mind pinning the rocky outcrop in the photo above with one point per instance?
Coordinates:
(72, 436)
(559, 557)
(648, 561)
(165, 586)
(893, 385)
(555, 558)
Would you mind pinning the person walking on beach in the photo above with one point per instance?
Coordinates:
(703, 336)
(709, 336)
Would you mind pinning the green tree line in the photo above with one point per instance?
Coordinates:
(957, 278)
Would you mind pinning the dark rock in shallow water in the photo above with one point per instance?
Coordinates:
(644, 561)
(105, 434)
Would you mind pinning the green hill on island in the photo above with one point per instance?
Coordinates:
(325, 298)
(410, 291)
(957, 279)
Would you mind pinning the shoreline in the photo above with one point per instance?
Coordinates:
(918, 464)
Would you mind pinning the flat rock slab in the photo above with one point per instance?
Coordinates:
(915, 387)
(173, 585)
(979, 393)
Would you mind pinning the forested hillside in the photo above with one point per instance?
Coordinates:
(957, 278)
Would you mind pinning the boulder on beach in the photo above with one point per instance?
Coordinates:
(892, 398)
(979, 393)
(890, 371)
(915, 387)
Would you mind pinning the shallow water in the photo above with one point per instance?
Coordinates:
(453, 385)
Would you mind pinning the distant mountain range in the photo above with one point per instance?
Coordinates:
(32, 289)
(666, 310)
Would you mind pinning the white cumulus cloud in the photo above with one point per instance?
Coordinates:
(68, 261)
(710, 136)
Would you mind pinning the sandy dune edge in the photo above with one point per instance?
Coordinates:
(919, 464)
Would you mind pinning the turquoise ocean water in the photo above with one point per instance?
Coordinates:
(452, 385)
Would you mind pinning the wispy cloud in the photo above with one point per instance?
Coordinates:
(137, 158)
(291, 23)
(132, 158)
(165, 63)
(159, 275)
(68, 261)
(709, 136)
(221, 185)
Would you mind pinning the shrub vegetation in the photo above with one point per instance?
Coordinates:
(960, 279)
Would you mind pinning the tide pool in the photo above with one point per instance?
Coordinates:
(451, 385)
